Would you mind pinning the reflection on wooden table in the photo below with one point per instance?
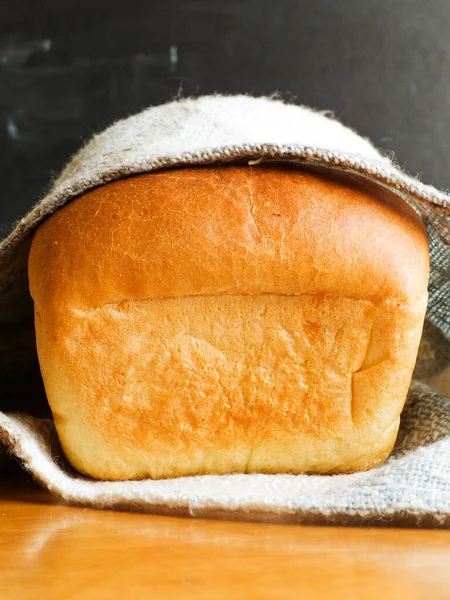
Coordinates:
(51, 551)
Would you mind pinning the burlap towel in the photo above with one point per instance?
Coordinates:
(413, 487)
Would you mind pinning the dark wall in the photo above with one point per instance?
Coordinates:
(67, 69)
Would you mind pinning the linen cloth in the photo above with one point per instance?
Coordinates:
(413, 486)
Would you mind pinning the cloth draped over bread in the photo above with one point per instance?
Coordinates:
(411, 488)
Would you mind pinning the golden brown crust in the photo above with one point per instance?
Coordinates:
(229, 319)
(232, 230)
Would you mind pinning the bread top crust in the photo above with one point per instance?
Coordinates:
(230, 230)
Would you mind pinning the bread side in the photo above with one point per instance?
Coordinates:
(220, 384)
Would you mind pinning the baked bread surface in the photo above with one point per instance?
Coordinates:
(229, 319)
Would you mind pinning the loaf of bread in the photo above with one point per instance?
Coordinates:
(229, 319)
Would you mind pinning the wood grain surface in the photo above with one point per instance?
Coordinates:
(51, 551)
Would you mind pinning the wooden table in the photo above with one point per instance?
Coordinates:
(49, 551)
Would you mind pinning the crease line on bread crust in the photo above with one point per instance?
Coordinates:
(361, 369)
(234, 293)
(250, 456)
(251, 208)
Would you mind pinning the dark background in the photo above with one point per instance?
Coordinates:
(69, 68)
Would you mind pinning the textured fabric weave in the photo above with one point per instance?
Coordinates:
(413, 486)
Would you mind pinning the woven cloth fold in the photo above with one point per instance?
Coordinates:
(412, 487)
